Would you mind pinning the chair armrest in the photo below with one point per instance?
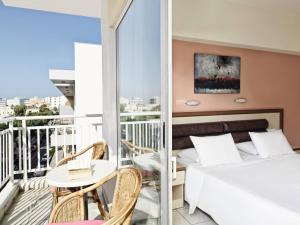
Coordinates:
(72, 157)
(65, 160)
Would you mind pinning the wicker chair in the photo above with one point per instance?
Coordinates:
(99, 150)
(128, 186)
(136, 150)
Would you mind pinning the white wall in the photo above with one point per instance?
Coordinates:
(110, 126)
(88, 79)
(88, 91)
(237, 23)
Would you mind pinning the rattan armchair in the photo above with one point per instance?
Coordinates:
(98, 152)
(136, 150)
(127, 189)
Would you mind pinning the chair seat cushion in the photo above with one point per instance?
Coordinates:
(85, 222)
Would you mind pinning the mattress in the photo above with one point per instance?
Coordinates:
(254, 192)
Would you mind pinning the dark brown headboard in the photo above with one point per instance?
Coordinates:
(238, 129)
(237, 122)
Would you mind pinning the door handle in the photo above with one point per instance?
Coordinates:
(164, 134)
(173, 167)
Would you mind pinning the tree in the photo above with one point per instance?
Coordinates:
(156, 108)
(20, 110)
(3, 126)
(43, 111)
(122, 108)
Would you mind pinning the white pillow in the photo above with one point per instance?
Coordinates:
(271, 143)
(247, 147)
(215, 150)
(189, 154)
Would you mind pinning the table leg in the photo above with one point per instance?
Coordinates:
(86, 212)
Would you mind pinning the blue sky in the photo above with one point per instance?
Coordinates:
(32, 42)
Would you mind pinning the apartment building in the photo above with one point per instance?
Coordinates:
(3, 102)
(87, 75)
(17, 101)
(56, 102)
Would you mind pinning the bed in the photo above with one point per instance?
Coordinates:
(255, 191)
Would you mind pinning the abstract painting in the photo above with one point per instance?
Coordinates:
(216, 74)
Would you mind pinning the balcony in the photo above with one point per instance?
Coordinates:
(31, 146)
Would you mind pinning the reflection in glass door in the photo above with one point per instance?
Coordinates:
(139, 85)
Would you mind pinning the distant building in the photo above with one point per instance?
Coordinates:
(133, 108)
(17, 101)
(56, 102)
(32, 110)
(154, 100)
(3, 102)
(6, 111)
(134, 104)
(35, 102)
(136, 101)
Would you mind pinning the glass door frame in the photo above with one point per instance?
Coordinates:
(166, 104)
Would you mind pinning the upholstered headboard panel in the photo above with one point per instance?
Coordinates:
(236, 122)
(238, 129)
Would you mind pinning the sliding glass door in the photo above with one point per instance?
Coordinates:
(142, 136)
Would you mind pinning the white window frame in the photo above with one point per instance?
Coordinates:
(111, 114)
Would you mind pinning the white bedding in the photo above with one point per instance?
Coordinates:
(186, 161)
(254, 192)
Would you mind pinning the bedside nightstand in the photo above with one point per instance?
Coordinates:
(178, 187)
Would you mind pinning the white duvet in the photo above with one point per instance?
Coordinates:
(256, 192)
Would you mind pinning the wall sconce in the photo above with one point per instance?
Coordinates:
(240, 100)
(192, 103)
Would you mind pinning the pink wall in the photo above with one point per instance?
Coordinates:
(268, 80)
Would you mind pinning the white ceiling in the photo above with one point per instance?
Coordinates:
(257, 24)
(89, 8)
(276, 6)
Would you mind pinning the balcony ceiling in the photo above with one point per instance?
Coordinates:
(64, 80)
(89, 8)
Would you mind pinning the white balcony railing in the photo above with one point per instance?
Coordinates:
(6, 165)
(28, 149)
(141, 132)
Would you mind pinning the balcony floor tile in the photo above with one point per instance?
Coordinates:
(29, 207)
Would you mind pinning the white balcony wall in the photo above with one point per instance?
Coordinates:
(88, 91)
